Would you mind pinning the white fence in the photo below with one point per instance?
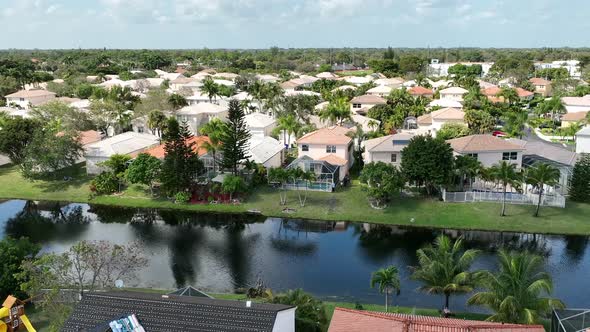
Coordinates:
(554, 200)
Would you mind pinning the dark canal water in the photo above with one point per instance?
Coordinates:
(331, 260)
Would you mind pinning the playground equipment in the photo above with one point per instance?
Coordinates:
(12, 316)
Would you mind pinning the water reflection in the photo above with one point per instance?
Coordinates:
(221, 252)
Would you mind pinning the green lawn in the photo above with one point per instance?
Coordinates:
(346, 205)
(355, 72)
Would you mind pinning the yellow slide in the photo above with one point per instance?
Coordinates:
(3, 313)
(27, 323)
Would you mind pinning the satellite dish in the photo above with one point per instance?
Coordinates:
(119, 283)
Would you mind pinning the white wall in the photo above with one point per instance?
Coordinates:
(285, 321)
(26, 102)
(367, 106)
(452, 96)
(437, 124)
(488, 159)
(373, 157)
(576, 109)
(275, 161)
(317, 151)
(583, 144)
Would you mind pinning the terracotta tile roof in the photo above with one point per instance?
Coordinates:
(330, 135)
(482, 143)
(522, 93)
(576, 116)
(159, 152)
(89, 136)
(334, 160)
(539, 81)
(420, 91)
(448, 113)
(368, 99)
(491, 91)
(348, 320)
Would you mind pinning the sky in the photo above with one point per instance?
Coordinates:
(189, 24)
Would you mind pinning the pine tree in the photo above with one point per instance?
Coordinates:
(580, 182)
(181, 164)
(235, 139)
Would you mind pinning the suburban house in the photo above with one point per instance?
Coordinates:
(349, 320)
(380, 90)
(524, 95)
(175, 312)
(327, 75)
(583, 140)
(266, 151)
(140, 124)
(433, 121)
(260, 125)
(198, 115)
(198, 143)
(542, 86)
(418, 91)
(290, 85)
(330, 144)
(125, 143)
(362, 104)
(444, 103)
(25, 99)
(576, 104)
(267, 78)
(454, 93)
(200, 98)
(570, 118)
(356, 80)
(488, 149)
(387, 149)
(394, 83)
(572, 66)
(484, 85)
(179, 82)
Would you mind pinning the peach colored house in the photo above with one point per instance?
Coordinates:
(433, 121)
(488, 149)
(387, 149)
(542, 86)
(363, 103)
(328, 144)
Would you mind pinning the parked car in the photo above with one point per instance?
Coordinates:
(499, 133)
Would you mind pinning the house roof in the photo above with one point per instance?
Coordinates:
(539, 81)
(448, 113)
(227, 76)
(549, 152)
(321, 105)
(368, 99)
(89, 137)
(491, 91)
(263, 149)
(380, 89)
(334, 160)
(182, 80)
(454, 90)
(575, 116)
(30, 94)
(125, 143)
(198, 142)
(259, 120)
(576, 101)
(348, 320)
(171, 313)
(484, 84)
(201, 108)
(393, 143)
(482, 143)
(420, 91)
(396, 81)
(329, 135)
(357, 80)
(364, 122)
(522, 93)
(445, 102)
(344, 87)
(242, 96)
(425, 119)
(326, 75)
(290, 84)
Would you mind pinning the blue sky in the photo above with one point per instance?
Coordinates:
(292, 23)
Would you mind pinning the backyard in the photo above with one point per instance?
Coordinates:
(348, 204)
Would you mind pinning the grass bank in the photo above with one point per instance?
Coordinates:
(349, 204)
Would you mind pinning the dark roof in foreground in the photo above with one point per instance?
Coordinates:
(166, 313)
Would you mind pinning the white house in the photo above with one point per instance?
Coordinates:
(260, 125)
(380, 90)
(365, 102)
(390, 82)
(453, 93)
(572, 66)
(583, 141)
(487, 149)
(576, 104)
(356, 80)
(329, 144)
(387, 149)
(266, 151)
(198, 115)
(26, 98)
(438, 69)
(433, 121)
(125, 143)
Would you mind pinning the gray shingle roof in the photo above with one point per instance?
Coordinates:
(172, 313)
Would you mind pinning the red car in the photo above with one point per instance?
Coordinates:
(498, 133)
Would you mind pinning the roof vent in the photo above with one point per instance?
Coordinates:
(165, 296)
(248, 304)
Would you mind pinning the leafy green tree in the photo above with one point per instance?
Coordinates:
(233, 184)
(382, 181)
(156, 121)
(281, 176)
(288, 125)
(579, 189)
(15, 136)
(177, 101)
(8, 85)
(181, 163)
(509, 95)
(144, 169)
(505, 173)
(450, 130)
(336, 112)
(235, 139)
(444, 268)
(517, 292)
(210, 88)
(411, 63)
(156, 99)
(540, 176)
(110, 115)
(50, 151)
(466, 167)
(13, 253)
(465, 70)
(300, 176)
(118, 164)
(479, 122)
(85, 90)
(310, 314)
(215, 130)
(60, 116)
(428, 161)
(387, 279)
(105, 183)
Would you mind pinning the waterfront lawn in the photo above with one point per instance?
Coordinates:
(348, 204)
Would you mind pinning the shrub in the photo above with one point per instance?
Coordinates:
(182, 197)
(105, 183)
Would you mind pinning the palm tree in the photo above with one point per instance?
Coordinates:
(444, 268)
(553, 106)
(539, 176)
(388, 281)
(156, 122)
(213, 129)
(506, 174)
(573, 129)
(516, 292)
(466, 167)
(336, 112)
(177, 101)
(210, 88)
(358, 136)
(280, 175)
(299, 175)
(310, 314)
(509, 94)
(289, 125)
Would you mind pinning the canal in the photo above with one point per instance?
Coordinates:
(332, 260)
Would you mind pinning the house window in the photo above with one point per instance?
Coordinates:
(140, 130)
(356, 105)
(394, 158)
(331, 148)
(305, 147)
(472, 155)
(21, 99)
(509, 155)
